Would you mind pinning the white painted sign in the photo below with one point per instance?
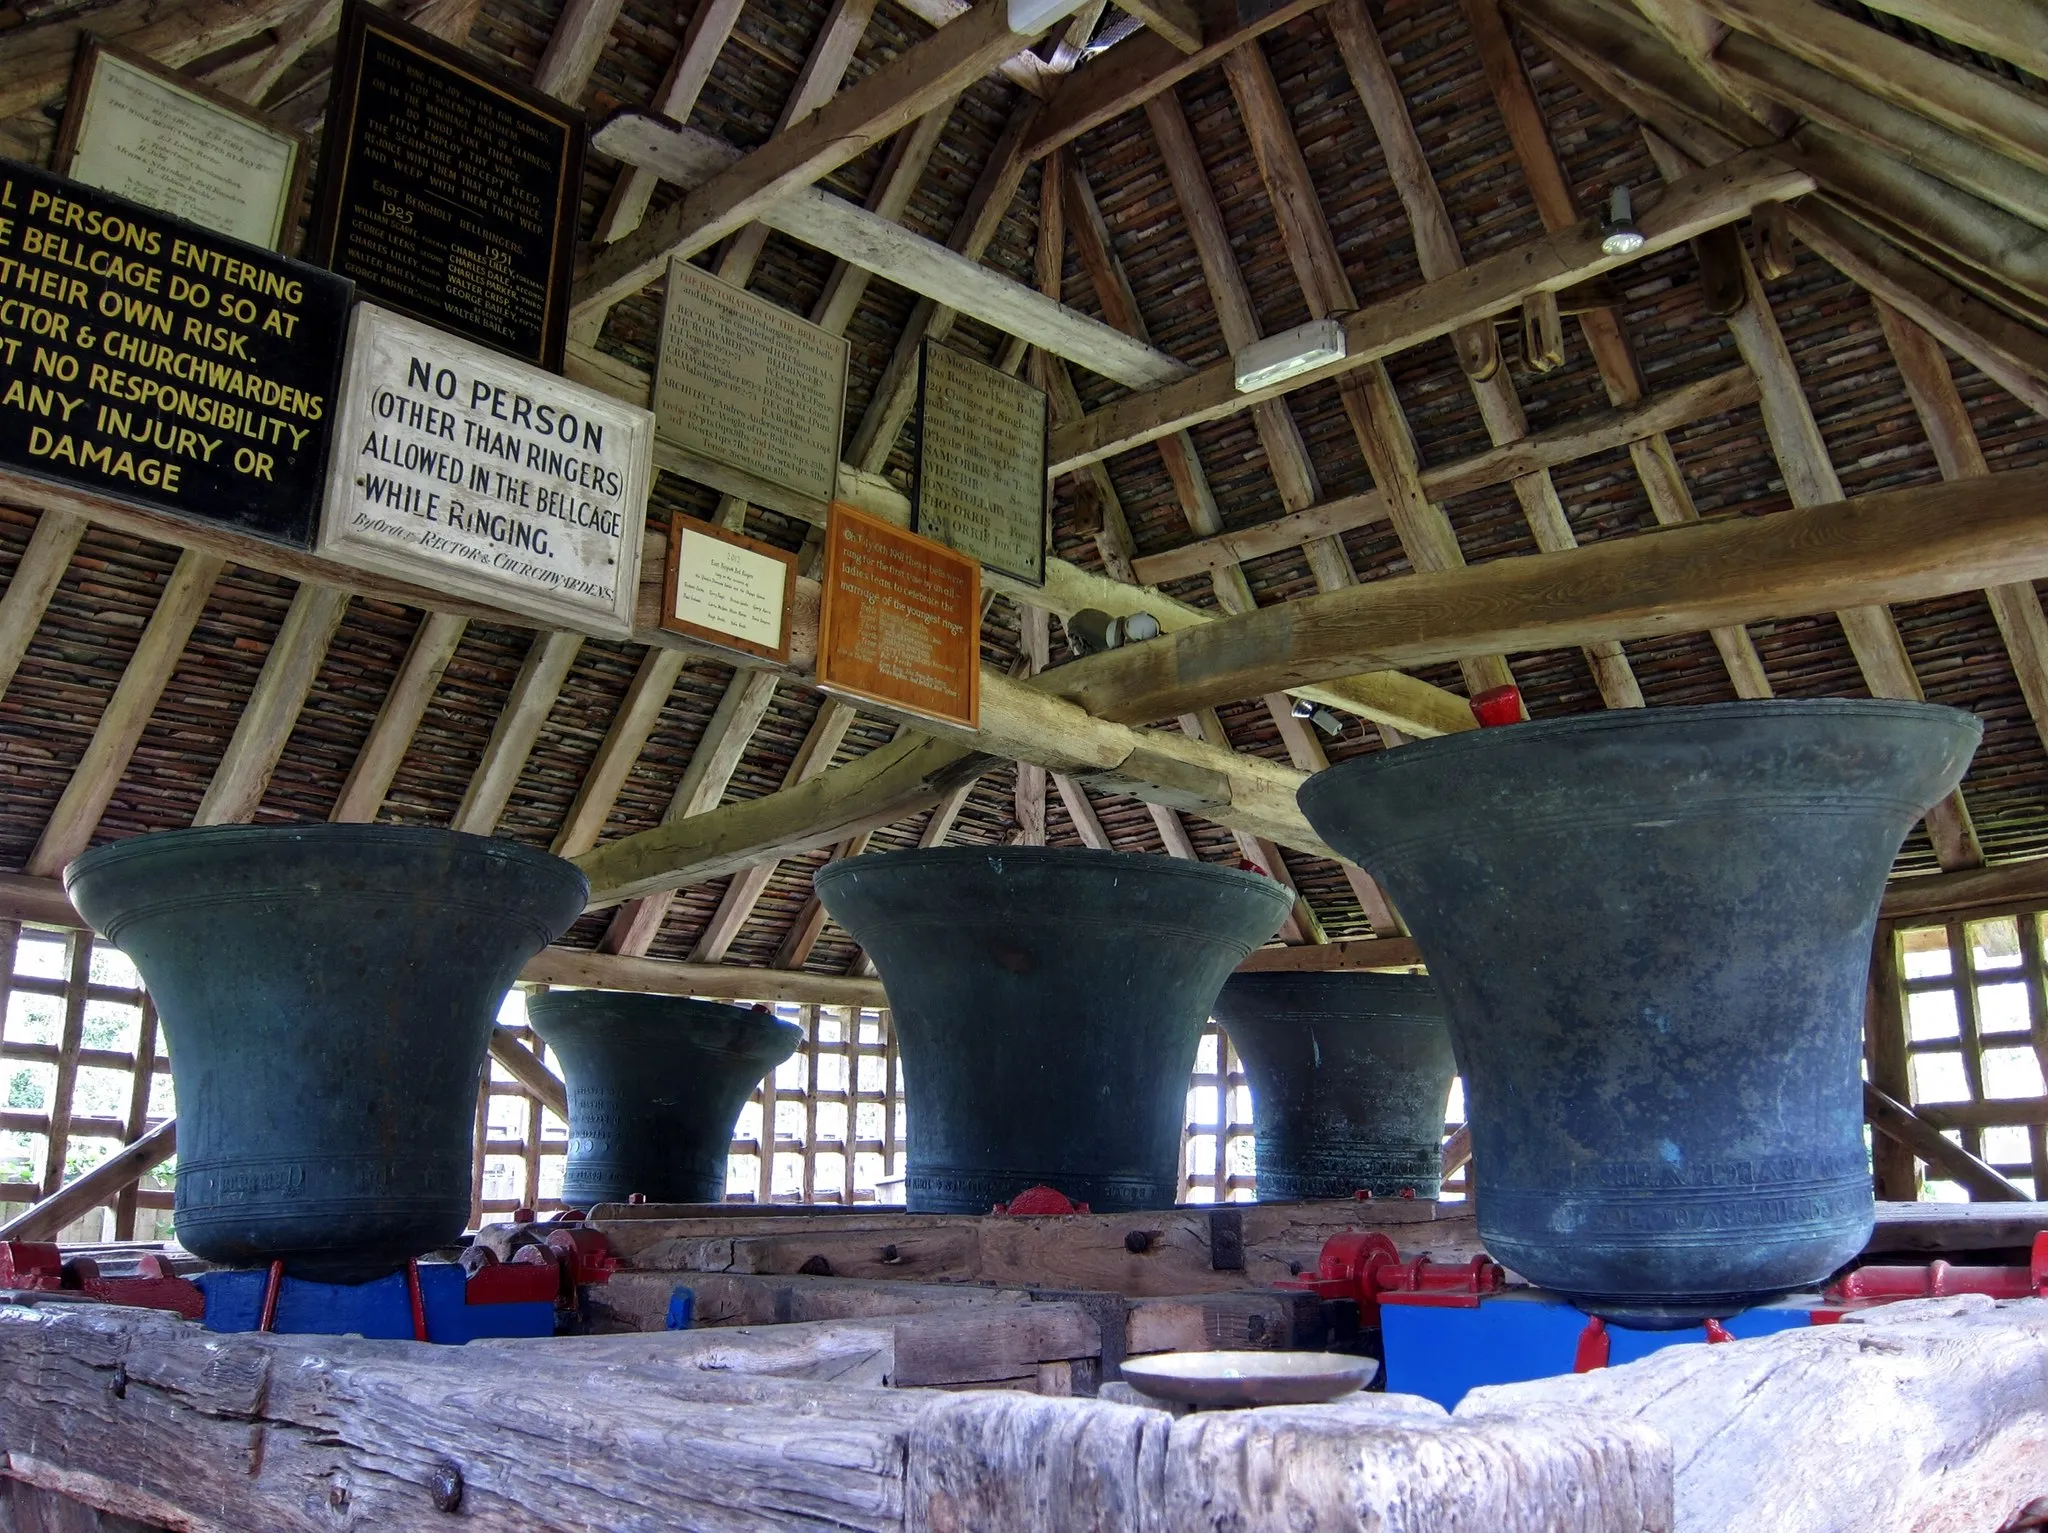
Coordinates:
(456, 466)
(168, 147)
(729, 588)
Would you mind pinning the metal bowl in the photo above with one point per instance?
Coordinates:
(1249, 1378)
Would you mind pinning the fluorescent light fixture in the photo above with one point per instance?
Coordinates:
(1031, 18)
(1282, 356)
(1619, 236)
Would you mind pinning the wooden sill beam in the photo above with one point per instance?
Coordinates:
(1901, 545)
(892, 97)
(1703, 201)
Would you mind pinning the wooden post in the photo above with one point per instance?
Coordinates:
(1884, 1050)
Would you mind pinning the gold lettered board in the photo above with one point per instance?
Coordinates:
(456, 467)
(748, 397)
(899, 620)
(728, 590)
(138, 130)
(981, 463)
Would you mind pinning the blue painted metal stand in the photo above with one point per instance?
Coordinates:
(1525, 1333)
(380, 1310)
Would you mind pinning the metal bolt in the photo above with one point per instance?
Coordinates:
(118, 1385)
(889, 1254)
(1138, 1242)
(817, 1266)
(446, 1488)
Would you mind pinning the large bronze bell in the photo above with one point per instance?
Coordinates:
(1651, 930)
(1048, 1003)
(655, 1082)
(327, 994)
(1349, 1076)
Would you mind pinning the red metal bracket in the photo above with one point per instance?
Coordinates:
(1364, 1267)
(1594, 1348)
(1939, 1279)
(1717, 1332)
(1497, 706)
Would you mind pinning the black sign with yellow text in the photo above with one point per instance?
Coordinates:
(154, 361)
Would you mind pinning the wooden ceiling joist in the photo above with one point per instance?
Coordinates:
(268, 717)
(1718, 195)
(889, 99)
(1898, 545)
(77, 815)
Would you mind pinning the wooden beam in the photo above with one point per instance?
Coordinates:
(821, 743)
(252, 79)
(37, 574)
(2012, 354)
(273, 709)
(1810, 480)
(433, 645)
(1900, 545)
(890, 98)
(711, 23)
(1886, 1065)
(76, 1198)
(1143, 67)
(2013, 30)
(36, 62)
(526, 1067)
(1174, 20)
(882, 246)
(638, 713)
(1946, 420)
(1897, 1121)
(995, 190)
(77, 815)
(1706, 200)
(1360, 953)
(1899, 131)
(573, 48)
(1656, 463)
(1457, 1152)
(1908, 901)
(518, 725)
(1965, 100)
(740, 709)
(880, 788)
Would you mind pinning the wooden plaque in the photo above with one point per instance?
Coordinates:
(142, 132)
(750, 393)
(900, 620)
(981, 451)
(156, 362)
(728, 590)
(456, 467)
(447, 191)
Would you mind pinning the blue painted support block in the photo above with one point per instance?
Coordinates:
(380, 1310)
(1525, 1333)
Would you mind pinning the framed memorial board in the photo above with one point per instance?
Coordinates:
(150, 360)
(900, 620)
(728, 590)
(752, 396)
(456, 467)
(447, 191)
(981, 453)
(142, 132)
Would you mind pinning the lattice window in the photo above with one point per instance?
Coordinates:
(1977, 1041)
(1218, 1163)
(836, 1110)
(521, 1147)
(83, 1071)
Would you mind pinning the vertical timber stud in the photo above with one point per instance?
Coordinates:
(1884, 1053)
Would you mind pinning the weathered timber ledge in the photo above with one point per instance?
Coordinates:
(149, 1417)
